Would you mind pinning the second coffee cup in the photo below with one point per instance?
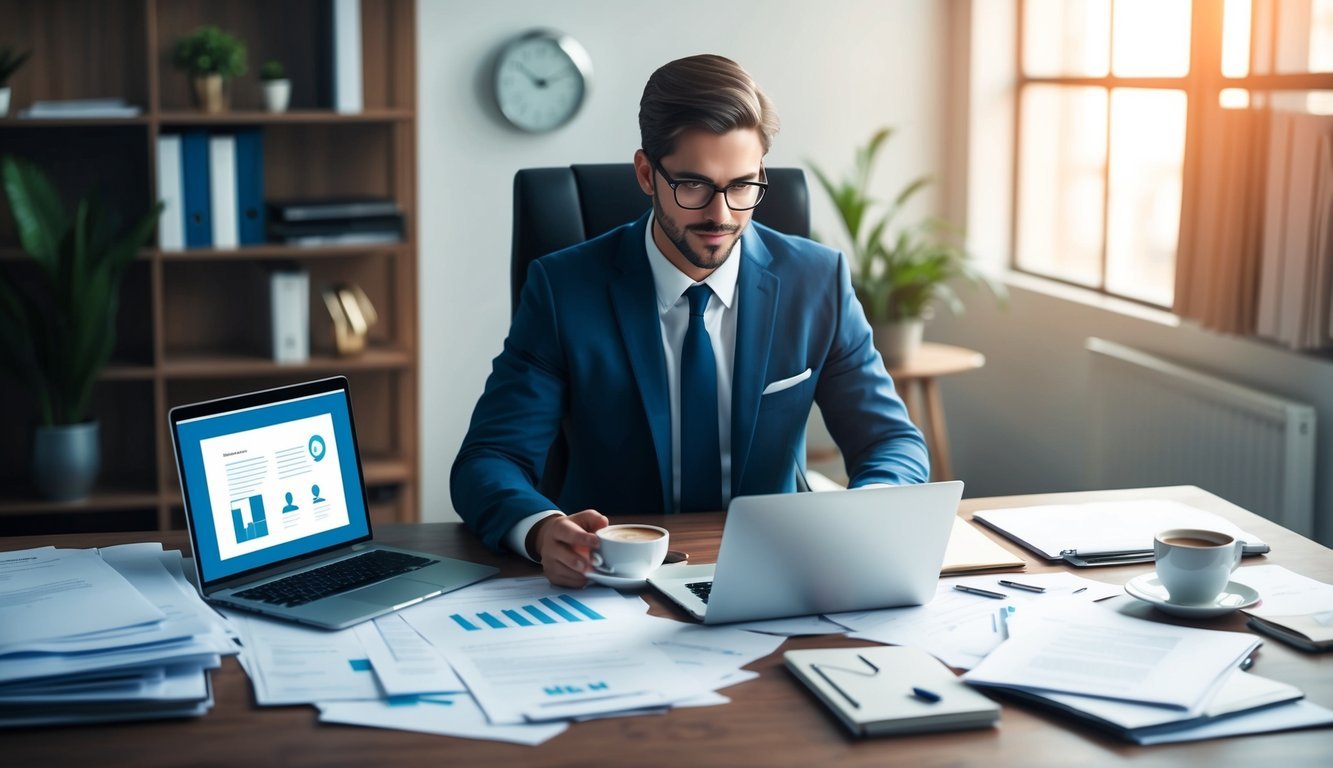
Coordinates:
(630, 551)
(1195, 565)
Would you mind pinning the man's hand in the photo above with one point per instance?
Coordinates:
(565, 544)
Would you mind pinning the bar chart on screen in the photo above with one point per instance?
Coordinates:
(559, 609)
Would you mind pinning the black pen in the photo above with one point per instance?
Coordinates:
(979, 591)
(1016, 585)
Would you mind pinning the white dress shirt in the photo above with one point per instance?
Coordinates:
(673, 311)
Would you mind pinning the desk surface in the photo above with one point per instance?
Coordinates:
(771, 721)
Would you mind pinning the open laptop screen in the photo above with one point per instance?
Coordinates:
(270, 476)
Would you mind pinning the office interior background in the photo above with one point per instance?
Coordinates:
(942, 74)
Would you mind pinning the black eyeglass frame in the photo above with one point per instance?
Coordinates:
(674, 183)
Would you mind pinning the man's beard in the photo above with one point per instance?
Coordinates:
(714, 255)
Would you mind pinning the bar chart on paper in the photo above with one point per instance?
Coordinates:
(560, 609)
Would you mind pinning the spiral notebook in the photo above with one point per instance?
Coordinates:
(888, 690)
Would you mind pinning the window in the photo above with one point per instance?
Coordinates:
(1118, 101)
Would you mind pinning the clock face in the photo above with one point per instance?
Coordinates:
(540, 80)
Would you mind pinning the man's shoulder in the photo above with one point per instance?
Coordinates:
(785, 251)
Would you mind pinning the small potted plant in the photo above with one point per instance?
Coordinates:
(898, 273)
(57, 331)
(10, 61)
(210, 57)
(277, 88)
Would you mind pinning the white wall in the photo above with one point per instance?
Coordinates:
(836, 71)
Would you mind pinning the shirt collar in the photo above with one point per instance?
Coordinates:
(671, 283)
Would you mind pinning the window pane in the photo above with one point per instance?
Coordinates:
(1304, 37)
(1062, 161)
(1066, 37)
(1236, 38)
(1152, 38)
(1147, 153)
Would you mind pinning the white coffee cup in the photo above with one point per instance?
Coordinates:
(1194, 565)
(630, 551)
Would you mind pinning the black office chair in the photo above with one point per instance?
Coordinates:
(555, 208)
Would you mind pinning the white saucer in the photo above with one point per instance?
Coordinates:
(1149, 589)
(619, 582)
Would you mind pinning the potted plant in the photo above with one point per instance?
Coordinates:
(10, 61)
(57, 330)
(898, 272)
(211, 57)
(277, 88)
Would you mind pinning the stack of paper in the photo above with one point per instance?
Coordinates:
(508, 659)
(99, 635)
(1296, 609)
(1141, 680)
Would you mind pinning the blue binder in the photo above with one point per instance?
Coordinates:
(198, 205)
(250, 209)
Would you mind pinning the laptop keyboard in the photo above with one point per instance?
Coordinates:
(368, 568)
(701, 589)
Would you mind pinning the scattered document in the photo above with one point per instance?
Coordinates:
(452, 716)
(960, 628)
(1295, 609)
(294, 664)
(403, 661)
(1096, 651)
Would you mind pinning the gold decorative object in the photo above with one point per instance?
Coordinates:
(352, 314)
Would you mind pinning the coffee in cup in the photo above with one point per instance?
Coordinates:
(1194, 565)
(630, 551)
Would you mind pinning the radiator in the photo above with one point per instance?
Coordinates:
(1157, 423)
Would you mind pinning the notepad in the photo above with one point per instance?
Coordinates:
(970, 551)
(1105, 532)
(888, 690)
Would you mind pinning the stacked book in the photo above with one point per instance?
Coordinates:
(90, 635)
(67, 109)
(336, 221)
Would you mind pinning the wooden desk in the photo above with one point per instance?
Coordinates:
(771, 721)
(916, 382)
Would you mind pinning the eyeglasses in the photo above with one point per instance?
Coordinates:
(694, 194)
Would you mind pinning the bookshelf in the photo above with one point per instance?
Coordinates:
(193, 324)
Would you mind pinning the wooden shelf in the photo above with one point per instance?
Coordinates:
(188, 318)
(205, 366)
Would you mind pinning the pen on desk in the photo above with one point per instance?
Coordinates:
(1018, 585)
(929, 697)
(979, 591)
(1080, 589)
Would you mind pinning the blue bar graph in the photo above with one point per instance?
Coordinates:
(563, 609)
(258, 525)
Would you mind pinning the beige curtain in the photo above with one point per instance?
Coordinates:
(1256, 239)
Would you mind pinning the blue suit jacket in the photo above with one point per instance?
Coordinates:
(584, 353)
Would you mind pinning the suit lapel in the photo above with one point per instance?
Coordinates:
(633, 297)
(757, 313)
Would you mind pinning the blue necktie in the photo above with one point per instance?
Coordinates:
(700, 454)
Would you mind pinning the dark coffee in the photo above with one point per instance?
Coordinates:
(1189, 541)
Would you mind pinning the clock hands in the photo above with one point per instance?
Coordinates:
(539, 80)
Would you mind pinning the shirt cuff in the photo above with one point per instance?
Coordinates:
(517, 538)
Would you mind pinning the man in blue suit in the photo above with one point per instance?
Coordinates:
(679, 353)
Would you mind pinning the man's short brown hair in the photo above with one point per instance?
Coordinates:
(705, 91)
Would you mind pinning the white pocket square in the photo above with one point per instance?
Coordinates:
(786, 383)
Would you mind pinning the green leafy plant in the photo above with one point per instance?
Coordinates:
(57, 332)
(210, 51)
(10, 61)
(898, 273)
(272, 70)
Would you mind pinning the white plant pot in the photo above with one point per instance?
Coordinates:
(898, 341)
(4, 101)
(277, 94)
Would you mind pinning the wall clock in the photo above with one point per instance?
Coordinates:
(541, 80)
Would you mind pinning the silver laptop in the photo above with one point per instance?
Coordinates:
(797, 554)
(276, 508)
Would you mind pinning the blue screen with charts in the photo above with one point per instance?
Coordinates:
(271, 482)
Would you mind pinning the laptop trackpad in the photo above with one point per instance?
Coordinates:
(392, 592)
